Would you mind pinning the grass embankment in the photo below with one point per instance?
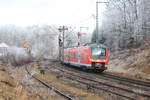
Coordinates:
(10, 89)
(134, 63)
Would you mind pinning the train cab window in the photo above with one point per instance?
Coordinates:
(98, 53)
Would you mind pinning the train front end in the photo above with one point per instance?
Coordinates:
(99, 57)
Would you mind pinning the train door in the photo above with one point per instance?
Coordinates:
(78, 53)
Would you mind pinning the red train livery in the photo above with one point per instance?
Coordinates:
(91, 56)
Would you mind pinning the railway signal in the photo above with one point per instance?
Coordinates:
(79, 34)
(61, 42)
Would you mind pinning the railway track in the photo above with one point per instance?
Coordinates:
(132, 87)
(129, 89)
(49, 86)
(145, 85)
(134, 81)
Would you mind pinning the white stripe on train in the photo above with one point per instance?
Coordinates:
(77, 64)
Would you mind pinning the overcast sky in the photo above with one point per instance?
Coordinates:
(60, 12)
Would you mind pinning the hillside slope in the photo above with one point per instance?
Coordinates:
(135, 62)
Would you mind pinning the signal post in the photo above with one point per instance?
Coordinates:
(61, 42)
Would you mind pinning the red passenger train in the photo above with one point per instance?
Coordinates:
(90, 56)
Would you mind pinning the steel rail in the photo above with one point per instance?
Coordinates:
(125, 80)
(49, 86)
(93, 86)
(135, 81)
(110, 85)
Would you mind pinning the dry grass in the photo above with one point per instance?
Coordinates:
(10, 87)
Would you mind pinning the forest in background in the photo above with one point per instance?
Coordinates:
(42, 38)
(126, 24)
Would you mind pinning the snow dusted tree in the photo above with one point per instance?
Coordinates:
(123, 21)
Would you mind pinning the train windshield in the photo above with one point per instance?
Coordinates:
(98, 53)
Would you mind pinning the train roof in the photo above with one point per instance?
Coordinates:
(95, 45)
(91, 45)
